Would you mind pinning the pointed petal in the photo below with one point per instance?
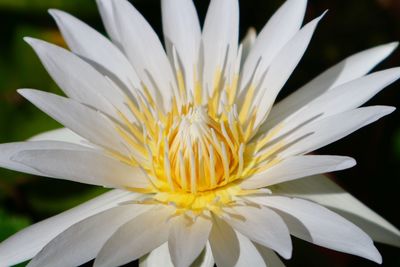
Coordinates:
(82, 241)
(325, 131)
(224, 243)
(249, 255)
(281, 27)
(145, 52)
(297, 167)
(109, 21)
(157, 257)
(316, 224)
(342, 98)
(220, 39)
(89, 167)
(269, 256)
(7, 151)
(160, 257)
(324, 191)
(28, 242)
(77, 78)
(62, 135)
(353, 67)
(90, 44)
(81, 119)
(182, 30)
(135, 238)
(261, 225)
(187, 239)
(247, 43)
(281, 68)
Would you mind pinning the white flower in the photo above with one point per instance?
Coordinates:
(200, 160)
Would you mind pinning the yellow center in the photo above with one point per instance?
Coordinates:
(196, 154)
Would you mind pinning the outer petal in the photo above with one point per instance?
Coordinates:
(342, 98)
(109, 21)
(249, 255)
(160, 257)
(82, 241)
(325, 131)
(77, 78)
(135, 238)
(280, 69)
(322, 190)
(261, 225)
(224, 243)
(28, 242)
(321, 226)
(90, 167)
(7, 151)
(347, 70)
(281, 27)
(91, 45)
(62, 135)
(145, 52)
(269, 256)
(297, 167)
(187, 239)
(83, 120)
(220, 39)
(182, 30)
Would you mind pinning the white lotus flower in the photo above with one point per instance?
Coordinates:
(203, 165)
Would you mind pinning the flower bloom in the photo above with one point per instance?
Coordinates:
(204, 166)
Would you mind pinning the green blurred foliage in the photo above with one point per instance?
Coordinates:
(42, 5)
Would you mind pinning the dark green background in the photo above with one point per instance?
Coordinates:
(348, 27)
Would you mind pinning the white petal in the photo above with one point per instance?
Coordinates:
(247, 44)
(62, 135)
(90, 44)
(297, 167)
(281, 27)
(108, 17)
(77, 78)
(269, 256)
(90, 167)
(28, 242)
(316, 224)
(7, 151)
(135, 238)
(182, 30)
(281, 68)
(249, 255)
(348, 69)
(224, 243)
(342, 98)
(261, 225)
(187, 239)
(145, 52)
(220, 35)
(81, 119)
(324, 191)
(160, 257)
(325, 131)
(157, 257)
(82, 241)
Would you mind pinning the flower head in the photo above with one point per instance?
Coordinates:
(202, 162)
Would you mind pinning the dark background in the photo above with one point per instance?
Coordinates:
(349, 26)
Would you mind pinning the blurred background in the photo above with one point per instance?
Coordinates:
(348, 27)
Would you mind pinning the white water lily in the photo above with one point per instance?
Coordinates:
(205, 167)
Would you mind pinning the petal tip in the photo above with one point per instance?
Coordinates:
(349, 163)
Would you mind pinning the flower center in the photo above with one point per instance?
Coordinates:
(199, 153)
